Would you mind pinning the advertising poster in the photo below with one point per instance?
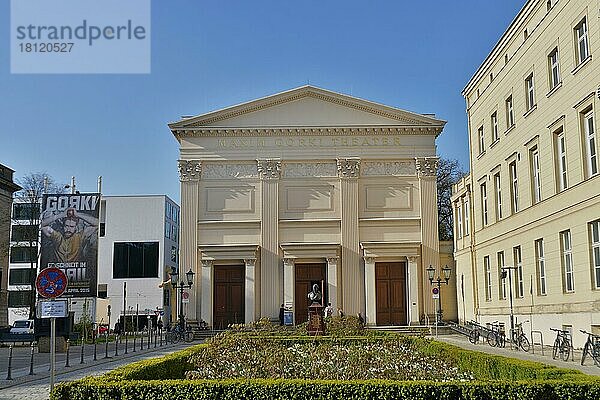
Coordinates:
(69, 239)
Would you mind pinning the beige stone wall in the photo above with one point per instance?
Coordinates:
(554, 109)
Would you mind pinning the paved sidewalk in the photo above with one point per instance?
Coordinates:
(38, 386)
(462, 341)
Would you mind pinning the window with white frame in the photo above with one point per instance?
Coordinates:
(481, 136)
(561, 159)
(498, 189)
(529, 92)
(484, 210)
(541, 266)
(494, 123)
(459, 225)
(581, 39)
(501, 275)
(536, 185)
(567, 259)
(553, 68)
(519, 287)
(514, 187)
(467, 213)
(590, 143)
(595, 236)
(488, 278)
(510, 116)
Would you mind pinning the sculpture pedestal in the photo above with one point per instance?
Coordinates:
(316, 325)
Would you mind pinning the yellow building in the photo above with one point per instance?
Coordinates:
(532, 200)
(309, 187)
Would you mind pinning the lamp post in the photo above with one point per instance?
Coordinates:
(446, 271)
(189, 276)
(506, 270)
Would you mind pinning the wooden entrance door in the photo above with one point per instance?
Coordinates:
(390, 293)
(228, 295)
(306, 276)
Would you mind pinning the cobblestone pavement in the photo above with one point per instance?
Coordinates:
(546, 358)
(24, 386)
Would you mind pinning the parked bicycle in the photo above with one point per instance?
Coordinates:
(176, 335)
(519, 338)
(592, 347)
(562, 344)
(496, 336)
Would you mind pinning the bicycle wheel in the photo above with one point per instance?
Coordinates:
(524, 343)
(556, 348)
(492, 339)
(565, 350)
(474, 336)
(189, 336)
(586, 348)
(175, 338)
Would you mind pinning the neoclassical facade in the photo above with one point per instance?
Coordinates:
(308, 187)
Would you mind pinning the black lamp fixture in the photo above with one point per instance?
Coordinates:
(446, 272)
(189, 276)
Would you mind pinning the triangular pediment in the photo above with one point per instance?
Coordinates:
(307, 106)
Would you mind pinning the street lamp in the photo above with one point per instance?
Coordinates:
(189, 276)
(446, 271)
(506, 270)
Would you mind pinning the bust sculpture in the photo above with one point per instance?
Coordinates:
(315, 294)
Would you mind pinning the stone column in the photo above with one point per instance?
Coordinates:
(352, 280)
(288, 283)
(207, 292)
(413, 290)
(189, 175)
(332, 281)
(270, 172)
(249, 301)
(370, 299)
(430, 245)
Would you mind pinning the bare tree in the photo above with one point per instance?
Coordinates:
(29, 198)
(449, 172)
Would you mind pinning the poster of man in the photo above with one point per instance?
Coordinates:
(70, 239)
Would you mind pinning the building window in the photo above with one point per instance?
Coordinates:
(24, 233)
(26, 211)
(519, 271)
(514, 187)
(21, 276)
(481, 136)
(23, 254)
(536, 186)
(590, 143)
(529, 92)
(103, 290)
(498, 189)
(510, 116)
(561, 159)
(501, 275)
(135, 260)
(467, 212)
(488, 278)
(541, 266)
(174, 254)
(553, 68)
(19, 298)
(581, 39)
(595, 235)
(484, 210)
(459, 226)
(494, 121)
(567, 258)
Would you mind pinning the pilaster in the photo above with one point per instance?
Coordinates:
(288, 283)
(352, 280)
(332, 282)
(249, 289)
(371, 304)
(207, 292)
(189, 175)
(270, 172)
(413, 290)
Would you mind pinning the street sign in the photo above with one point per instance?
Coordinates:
(185, 297)
(51, 282)
(54, 309)
(436, 293)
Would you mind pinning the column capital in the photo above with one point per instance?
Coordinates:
(369, 260)
(289, 262)
(427, 166)
(412, 259)
(348, 167)
(269, 168)
(250, 262)
(332, 260)
(189, 170)
(207, 263)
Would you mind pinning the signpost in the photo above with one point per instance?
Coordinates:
(50, 284)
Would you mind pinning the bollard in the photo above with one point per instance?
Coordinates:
(142, 341)
(160, 335)
(155, 333)
(134, 338)
(106, 345)
(125, 342)
(31, 359)
(68, 347)
(95, 352)
(116, 345)
(82, 344)
(9, 375)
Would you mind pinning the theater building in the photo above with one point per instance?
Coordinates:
(309, 186)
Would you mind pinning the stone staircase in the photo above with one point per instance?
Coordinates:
(415, 330)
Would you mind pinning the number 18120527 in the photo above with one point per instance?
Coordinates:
(49, 47)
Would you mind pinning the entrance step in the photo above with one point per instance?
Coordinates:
(415, 330)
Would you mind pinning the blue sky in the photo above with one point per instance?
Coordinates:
(416, 56)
